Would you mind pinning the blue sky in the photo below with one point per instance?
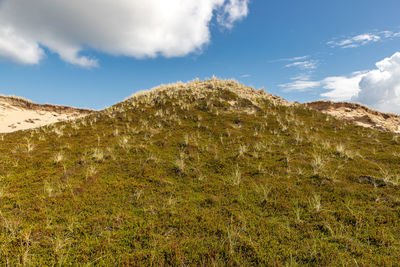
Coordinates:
(272, 45)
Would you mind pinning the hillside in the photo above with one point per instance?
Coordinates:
(20, 114)
(199, 174)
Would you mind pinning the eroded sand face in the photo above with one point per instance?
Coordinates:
(20, 114)
(359, 115)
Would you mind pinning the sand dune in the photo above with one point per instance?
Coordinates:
(359, 115)
(20, 114)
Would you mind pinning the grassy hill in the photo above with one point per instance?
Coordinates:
(204, 173)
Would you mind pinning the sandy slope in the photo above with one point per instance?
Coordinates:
(21, 114)
(359, 115)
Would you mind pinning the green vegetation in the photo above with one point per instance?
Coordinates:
(205, 173)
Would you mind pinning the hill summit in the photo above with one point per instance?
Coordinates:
(203, 173)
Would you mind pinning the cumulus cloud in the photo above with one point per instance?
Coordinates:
(342, 88)
(132, 28)
(378, 88)
(18, 49)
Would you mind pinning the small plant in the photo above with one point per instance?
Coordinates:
(180, 163)
(242, 150)
(29, 145)
(98, 154)
(90, 171)
(237, 176)
(233, 234)
(59, 244)
(317, 164)
(138, 193)
(341, 150)
(315, 203)
(186, 139)
(2, 192)
(326, 144)
(58, 157)
(201, 177)
(26, 247)
(265, 191)
(297, 213)
(298, 138)
(75, 126)
(124, 142)
(48, 188)
(389, 178)
(58, 131)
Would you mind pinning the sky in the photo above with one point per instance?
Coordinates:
(95, 53)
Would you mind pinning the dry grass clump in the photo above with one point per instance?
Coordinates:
(58, 157)
(315, 203)
(180, 163)
(98, 154)
(29, 145)
(317, 163)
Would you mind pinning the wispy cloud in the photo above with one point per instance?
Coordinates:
(355, 41)
(290, 59)
(300, 83)
(390, 34)
(304, 65)
(363, 39)
(245, 76)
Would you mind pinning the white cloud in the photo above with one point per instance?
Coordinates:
(132, 28)
(363, 39)
(233, 11)
(300, 85)
(390, 34)
(356, 41)
(18, 49)
(304, 65)
(297, 58)
(342, 88)
(378, 88)
(289, 59)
